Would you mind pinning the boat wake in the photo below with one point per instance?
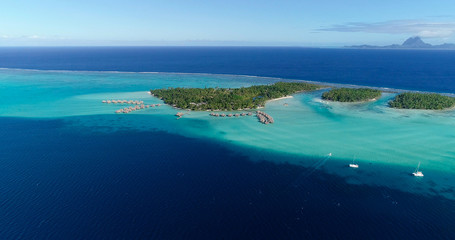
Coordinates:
(311, 169)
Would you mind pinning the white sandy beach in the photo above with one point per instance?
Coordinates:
(276, 99)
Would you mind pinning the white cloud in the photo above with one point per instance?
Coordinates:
(34, 37)
(441, 33)
(423, 28)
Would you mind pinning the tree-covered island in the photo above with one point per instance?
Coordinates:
(428, 101)
(229, 98)
(351, 94)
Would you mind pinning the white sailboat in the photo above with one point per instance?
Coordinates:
(417, 173)
(353, 165)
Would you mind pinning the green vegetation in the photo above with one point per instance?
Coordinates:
(229, 99)
(432, 101)
(351, 94)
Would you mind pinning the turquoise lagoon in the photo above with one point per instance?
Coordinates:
(386, 143)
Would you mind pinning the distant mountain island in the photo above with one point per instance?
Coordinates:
(410, 43)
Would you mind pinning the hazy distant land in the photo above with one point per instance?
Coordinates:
(410, 43)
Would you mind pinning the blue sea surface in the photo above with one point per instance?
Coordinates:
(429, 70)
(138, 176)
(77, 184)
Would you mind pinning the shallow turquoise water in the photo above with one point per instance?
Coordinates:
(386, 143)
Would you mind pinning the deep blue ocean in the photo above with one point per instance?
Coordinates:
(402, 69)
(65, 181)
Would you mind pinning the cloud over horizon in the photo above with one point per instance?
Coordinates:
(422, 28)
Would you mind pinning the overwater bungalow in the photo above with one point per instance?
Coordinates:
(243, 114)
(249, 114)
(237, 115)
(264, 117)
(229, 115)
(223, 115)
(108, 101)
(217, 115)
(104, 101)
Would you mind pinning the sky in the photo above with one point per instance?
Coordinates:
(312, 23)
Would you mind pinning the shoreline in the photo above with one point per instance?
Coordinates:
(224, 110)
(280, 98)
(358, 102)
